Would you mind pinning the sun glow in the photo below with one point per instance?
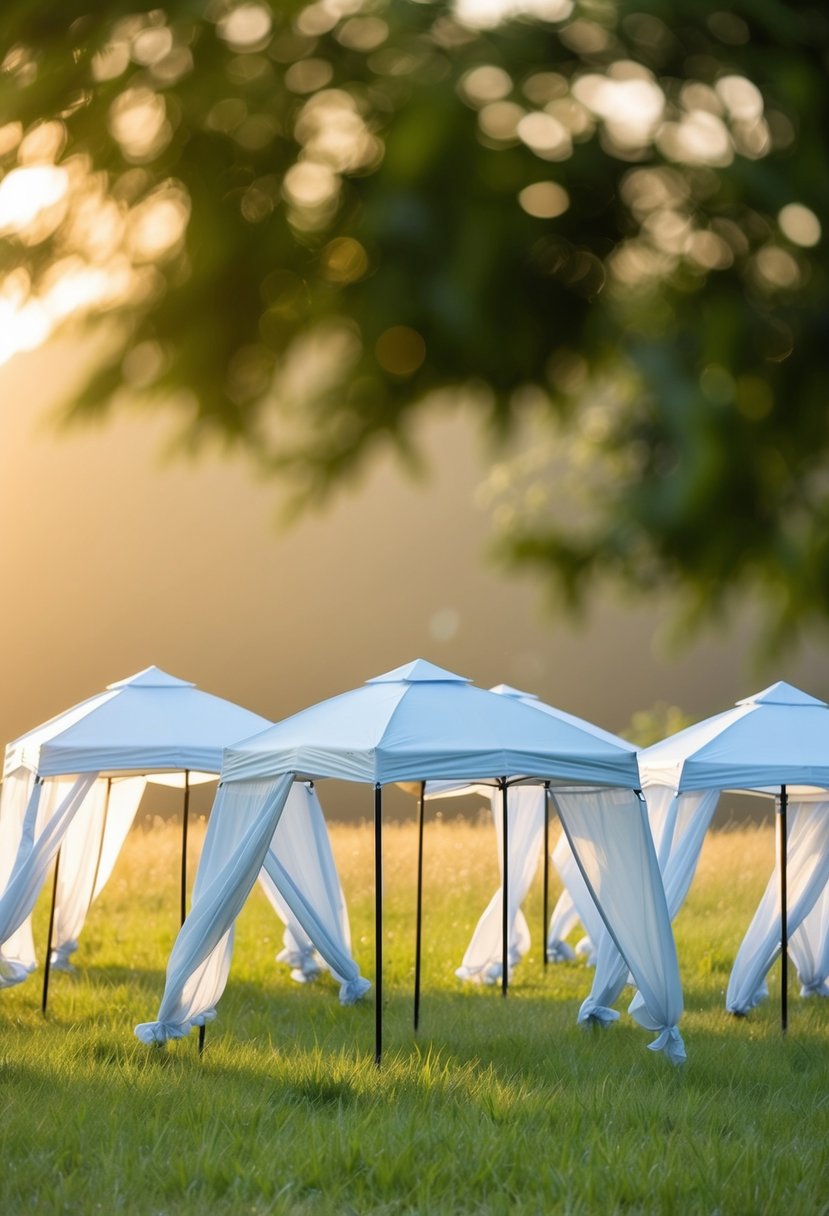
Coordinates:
(103, 251)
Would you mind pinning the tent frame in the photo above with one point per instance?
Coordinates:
(782, 851)
(503, 784)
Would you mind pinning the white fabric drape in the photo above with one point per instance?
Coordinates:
(563, 921)
(242, 826)
(44, 827)
(807, 875)
(610, 837)
(18, 950)
(809, 949)
(579, 899)
(240, 829)
(300, 879)
(483, 960)
(89, 851)
(678, 825)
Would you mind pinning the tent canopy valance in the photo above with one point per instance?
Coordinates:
(149, 722)
(420, 722)
(779, 736)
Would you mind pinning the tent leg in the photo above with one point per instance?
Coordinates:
(545, 904)
(201, 1039)
(782, 846)
(185, 819)
(504, 892)
(48, 960)
(378, 924)
(418, 929)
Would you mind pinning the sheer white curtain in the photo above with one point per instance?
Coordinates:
(685, 819)
(301, 881)
(483, 960)
(17, 957)
(50, 810)
(88, 853)
(807, 875)
(241, 838)
(678, 825)
(575, 904)
(240, 829)
(563, 920)
(610, 837)
(809, 949)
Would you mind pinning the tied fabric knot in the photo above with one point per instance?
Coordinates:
(670, 1041)
(492, 972)
(470, 975)
(585, 949)
(559, 952)
(201, 1019)
(741, 1008)
(303, 963)
(352, 990)
(592, 1014)
(489, 974)
(815, 988)
(12, 972)
(59, 958)
(158, 1033)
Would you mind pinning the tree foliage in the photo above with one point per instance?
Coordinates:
(600, 219)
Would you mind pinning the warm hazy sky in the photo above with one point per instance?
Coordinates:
(114, 560)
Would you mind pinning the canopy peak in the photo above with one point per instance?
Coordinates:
(781, 693)
(419, 671)
(506, 690)
(151, 677)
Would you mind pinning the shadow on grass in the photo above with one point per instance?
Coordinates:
(531, 1036)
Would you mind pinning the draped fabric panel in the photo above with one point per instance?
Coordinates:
(89, 851)
(17, 957)
(239, 832)
(301, 881)
(807, 875)
(52, 807)
(678, 826)
(563, 920)
(583, 906)
(809, 949)
(611, 840)
(483, 960)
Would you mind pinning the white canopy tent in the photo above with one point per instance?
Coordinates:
(71, 791)
(414, 724)
(775, 743)
(529, 840)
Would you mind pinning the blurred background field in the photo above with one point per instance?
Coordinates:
(496, 1106)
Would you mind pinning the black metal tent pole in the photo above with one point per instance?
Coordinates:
(48, 960)
(378, 923)
(418, 928)
(185, 819)
(782, 847)
(546, 897)
(504, 890)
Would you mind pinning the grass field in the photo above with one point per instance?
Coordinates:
(497, 1106)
